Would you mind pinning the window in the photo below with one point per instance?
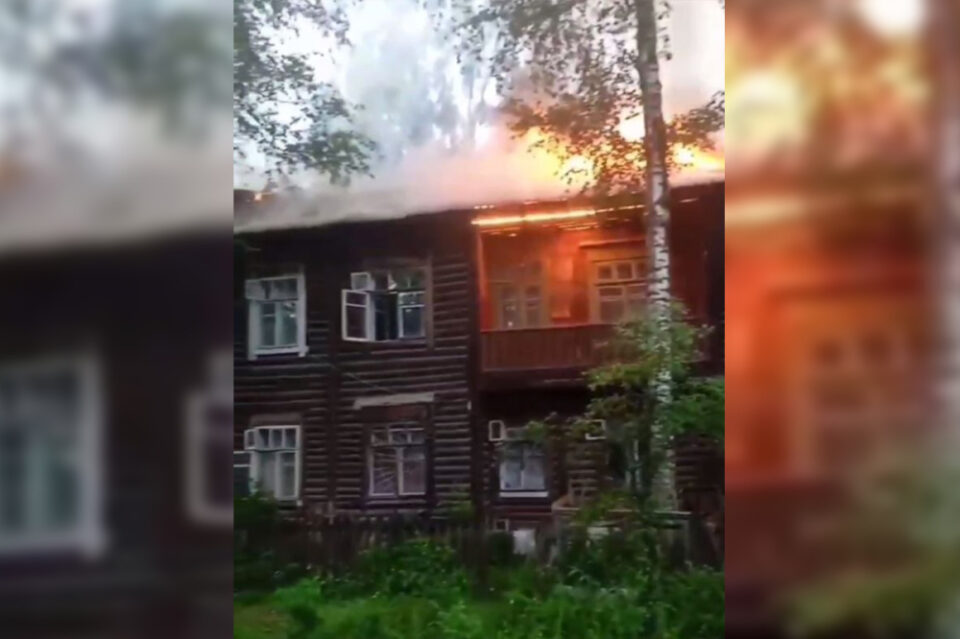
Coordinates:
(518, 296)
(619, 290)
(596, 430)
(208, 445)
(385, 305)
(241, 473)
(397, 461)
(274, 462)
(276, 315)
(50, 457)
(522, 462)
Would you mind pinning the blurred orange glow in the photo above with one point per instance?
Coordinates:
(507, 220)
(690, 157)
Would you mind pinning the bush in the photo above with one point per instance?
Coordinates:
(500, 549)
(257, 566)
(417, 567)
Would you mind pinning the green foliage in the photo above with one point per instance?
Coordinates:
(688, 605)
(571, 71)
(418, 567)
(320, 133)
(500, 549)
(634, 397)
(698, 409)
(257, 566)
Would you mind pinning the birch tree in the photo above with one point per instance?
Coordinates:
(575, 71)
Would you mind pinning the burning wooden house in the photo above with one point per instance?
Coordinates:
(387, 363)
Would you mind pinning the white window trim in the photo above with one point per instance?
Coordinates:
(496, 429)
(369, 327)
(255, 459)
(253, 321)
(89, 536)
(602, 425)
(400, 491)
(195, 442)
(367, 291)
(506, 439)
(423, 320)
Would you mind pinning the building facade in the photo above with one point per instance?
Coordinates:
(390, 365)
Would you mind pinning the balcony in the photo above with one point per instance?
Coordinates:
(559, 353)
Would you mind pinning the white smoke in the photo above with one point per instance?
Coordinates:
(436, 124)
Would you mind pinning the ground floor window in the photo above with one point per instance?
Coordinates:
(522, 468)
(50, 456)
(274, 460)
(397, 461)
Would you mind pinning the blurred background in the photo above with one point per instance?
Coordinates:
(840, 416)
(115, 258)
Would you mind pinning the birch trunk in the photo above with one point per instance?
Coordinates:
(657, 218)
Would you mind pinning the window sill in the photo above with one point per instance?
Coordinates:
(389, 342)
(299, 351)
(525, 494)
(386, 499)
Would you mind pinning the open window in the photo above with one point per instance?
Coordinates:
(276, 311)
(384, 305)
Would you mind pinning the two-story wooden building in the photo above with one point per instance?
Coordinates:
(387, 363)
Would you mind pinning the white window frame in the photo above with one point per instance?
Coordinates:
(250, 445)
(368, 310)
(219, 390)
(637, 278)
(421, 305)
(399, 462)
(364, 283)
(601, 425)
(254, 349)
(515, 435)
(88, 536)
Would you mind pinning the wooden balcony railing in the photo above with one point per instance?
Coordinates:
(556, 347)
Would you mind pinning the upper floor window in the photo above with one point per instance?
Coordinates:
(619, 289)
(277, 315)
(273, 460)
(50, 457)
(518, 296)
(387, 304)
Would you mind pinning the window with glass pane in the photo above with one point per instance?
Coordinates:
(619, 292)
(241, 474)
(274, 460)
(393, 306)
(522, 467)
(398, 461)
(411, 307)
(46, 478)
(276, 313)
(517, 295)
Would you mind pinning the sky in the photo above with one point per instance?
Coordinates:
(493, 165)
